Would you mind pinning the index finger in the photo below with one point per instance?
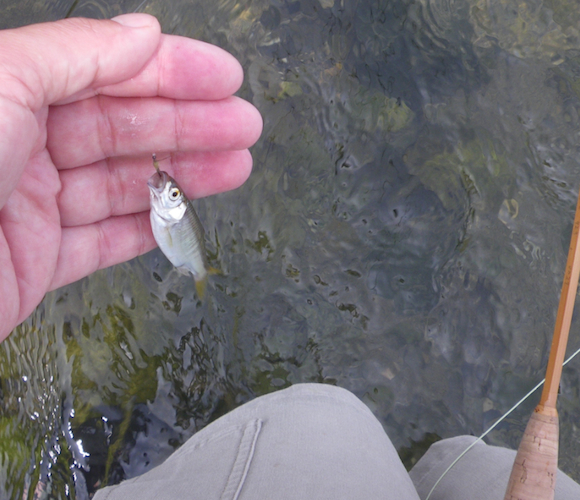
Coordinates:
(45, 63)
(181, 68)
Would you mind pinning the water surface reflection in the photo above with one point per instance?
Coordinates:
(403, 235)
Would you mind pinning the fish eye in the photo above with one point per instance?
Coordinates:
(174, 193)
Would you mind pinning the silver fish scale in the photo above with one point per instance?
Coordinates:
(194, 225)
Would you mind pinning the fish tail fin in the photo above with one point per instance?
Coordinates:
(200, 286)
(201, 283)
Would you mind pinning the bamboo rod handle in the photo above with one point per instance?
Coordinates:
(533, 475)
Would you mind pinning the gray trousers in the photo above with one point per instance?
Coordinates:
(320, 442)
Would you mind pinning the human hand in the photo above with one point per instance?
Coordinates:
(83, 104)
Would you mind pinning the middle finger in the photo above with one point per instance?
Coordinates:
(87, 131)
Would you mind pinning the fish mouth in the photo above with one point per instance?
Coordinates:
(157, 181)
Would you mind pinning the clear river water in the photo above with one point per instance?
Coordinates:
(403, 235)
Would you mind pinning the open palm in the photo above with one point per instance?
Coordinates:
(83, 104)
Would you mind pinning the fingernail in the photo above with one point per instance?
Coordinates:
(135, 20)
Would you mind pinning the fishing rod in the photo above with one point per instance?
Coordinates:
(535, 468)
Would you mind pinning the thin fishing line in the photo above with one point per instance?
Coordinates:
(498, 421)
(140, 5)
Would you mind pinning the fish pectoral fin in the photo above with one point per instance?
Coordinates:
(168, 238)
(184, 270)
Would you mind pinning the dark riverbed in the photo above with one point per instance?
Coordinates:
(403, 235)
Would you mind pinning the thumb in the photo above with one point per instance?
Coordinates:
(45, 63)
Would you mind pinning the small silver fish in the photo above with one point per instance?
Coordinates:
(177, 228)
